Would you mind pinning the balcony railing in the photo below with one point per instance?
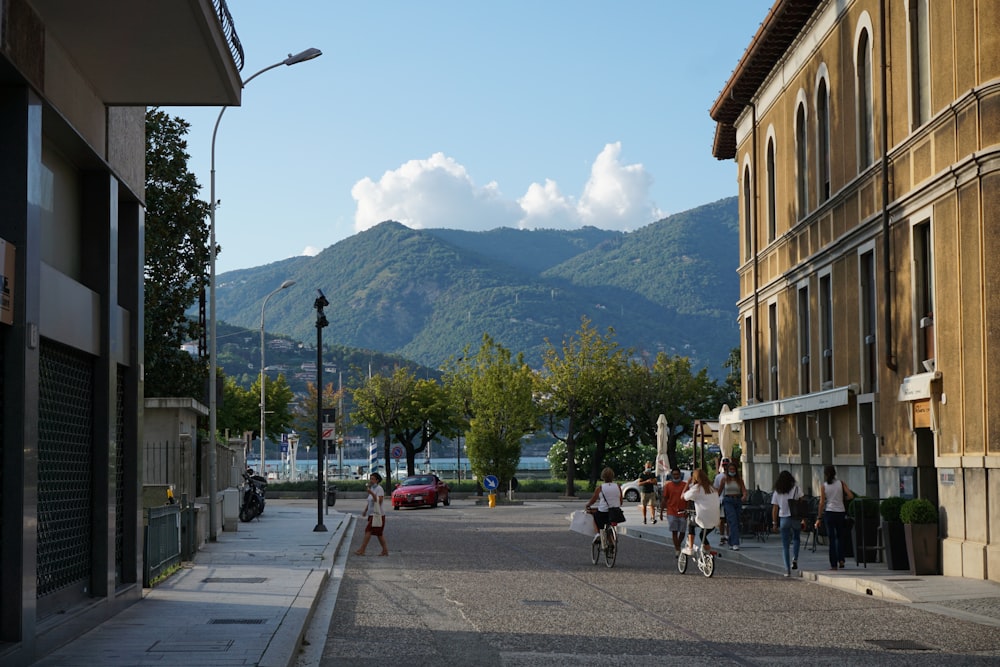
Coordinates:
(229, 30)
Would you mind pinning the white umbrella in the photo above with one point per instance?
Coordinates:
(725, 433)
(662, 460)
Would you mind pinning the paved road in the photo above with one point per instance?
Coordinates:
(511, 586)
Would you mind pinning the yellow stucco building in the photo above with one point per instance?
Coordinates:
(866, 135)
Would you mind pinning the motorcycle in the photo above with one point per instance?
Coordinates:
(253, 495)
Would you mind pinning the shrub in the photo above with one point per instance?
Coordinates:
(918, 510)
(889, 508)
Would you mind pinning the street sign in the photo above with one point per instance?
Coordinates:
(396, 452)
(491, 482)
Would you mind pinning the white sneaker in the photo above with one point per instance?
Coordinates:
(687, 551)
(735, 547)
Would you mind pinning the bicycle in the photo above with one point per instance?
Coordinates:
(703, 556)
(607, 546)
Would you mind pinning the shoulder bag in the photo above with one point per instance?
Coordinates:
(798, 507)
(615, 514)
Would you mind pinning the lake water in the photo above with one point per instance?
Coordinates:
(536, 466)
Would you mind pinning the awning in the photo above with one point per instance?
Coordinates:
(820, 400)
(916, 387)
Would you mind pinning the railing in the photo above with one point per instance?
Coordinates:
(162, 541)
(229, 30)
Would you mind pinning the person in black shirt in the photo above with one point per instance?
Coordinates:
(647, 491)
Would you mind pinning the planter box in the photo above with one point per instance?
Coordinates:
(894, 539)
(922, 547)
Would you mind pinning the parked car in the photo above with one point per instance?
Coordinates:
(630, 491)
(420, 490)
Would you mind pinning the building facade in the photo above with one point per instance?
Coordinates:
(866, 135)
(75, 80)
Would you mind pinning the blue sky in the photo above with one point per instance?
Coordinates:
(467, 115)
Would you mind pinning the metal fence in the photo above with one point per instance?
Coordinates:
(161, 541)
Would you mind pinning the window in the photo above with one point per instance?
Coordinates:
(772, 324)
(747, 216)
(920, 67)
(923, 290)
(866, 132)
(869, 348)
(826, 330)
(823, 140)
(748, 358)
(804, 335)
(801, 162)
(772, 209)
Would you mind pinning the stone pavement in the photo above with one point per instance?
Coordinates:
(248, 598)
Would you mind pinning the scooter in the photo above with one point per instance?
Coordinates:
(253, 496)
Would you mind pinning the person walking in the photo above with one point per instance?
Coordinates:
(833, 498)
(647, 491)
(720, 476)
(786, 489)
(706, 508)
(373, 510)
(734, 494)
(676, 506)
(607, 494)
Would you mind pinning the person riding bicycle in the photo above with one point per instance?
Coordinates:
(608, 494)
(706, 508)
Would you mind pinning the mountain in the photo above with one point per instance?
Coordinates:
(426, 294)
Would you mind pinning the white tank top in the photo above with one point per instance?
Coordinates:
(834, 497)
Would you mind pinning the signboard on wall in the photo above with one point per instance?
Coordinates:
(922, 413)
(7, 275)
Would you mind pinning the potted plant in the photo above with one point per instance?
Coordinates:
(862, 512)
(920, 524)
(893, 534)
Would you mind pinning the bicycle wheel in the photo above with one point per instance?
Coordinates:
(708, 565)
(611, 552)
(596, 548)
(682, 562)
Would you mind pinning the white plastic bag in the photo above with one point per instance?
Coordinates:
(582, 522)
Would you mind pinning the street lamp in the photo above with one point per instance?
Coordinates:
(263, 376)
(213, 406)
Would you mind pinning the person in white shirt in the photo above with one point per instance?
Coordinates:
(608, 494)
(833, 497)
(706, 508)
(372, 509)
(786, 489)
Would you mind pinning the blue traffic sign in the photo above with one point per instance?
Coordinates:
(396, 452)
(491, 482)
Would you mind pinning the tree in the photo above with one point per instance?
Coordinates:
(304, 420)
(239, 411)
(379, 402)
(177, 254)
(502, 410)
(427, 414)
(575, 393)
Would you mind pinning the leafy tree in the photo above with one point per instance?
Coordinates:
(304, 420)
(574, 392)
(177, 254)
(239, 411)
(427, 414)
(502, 410)
(279, 402)
(379, 403)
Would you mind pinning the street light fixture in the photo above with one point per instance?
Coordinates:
(263, 376)
(213, 406)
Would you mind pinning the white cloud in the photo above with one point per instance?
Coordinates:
(439, 192)
(310, 251)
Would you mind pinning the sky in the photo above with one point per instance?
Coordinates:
(466, 115)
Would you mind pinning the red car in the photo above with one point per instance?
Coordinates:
(420, 490)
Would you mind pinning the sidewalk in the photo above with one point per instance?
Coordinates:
(246, 599)
(968, 599)
(249, 596)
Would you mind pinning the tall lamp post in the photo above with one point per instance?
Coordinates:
(263, 376)
(213, 406)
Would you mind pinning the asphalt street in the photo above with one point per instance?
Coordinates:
(512, 586)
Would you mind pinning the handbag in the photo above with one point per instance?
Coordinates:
(798, 508)
(615, 514)
(377, 520)
(582, 522)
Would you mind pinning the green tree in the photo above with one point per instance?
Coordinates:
(304, 420)
(502, 410)
(280, 401)
(427, 414)
(177, 255)
(239, 411)
(379, 402)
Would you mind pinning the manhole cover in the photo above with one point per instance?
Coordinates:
(900, 645)
(237, 621)
(234, 580)
(543, 603)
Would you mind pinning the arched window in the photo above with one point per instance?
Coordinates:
(866, 127)
(747, 215)
(801, 162)
(772, 208)
(823, 140)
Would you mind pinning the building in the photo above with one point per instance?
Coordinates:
(866, 135)
(75, 81)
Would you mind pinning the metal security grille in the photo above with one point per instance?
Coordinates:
(120, 476)
(3, 364)
(65, 467)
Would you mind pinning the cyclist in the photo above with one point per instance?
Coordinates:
(706, 508)
(607, 494)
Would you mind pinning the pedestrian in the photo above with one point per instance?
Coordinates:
(607, 494)
(734, 494)
(647, 491)
(833, 498)
(706, 508)
(676, 506)
(720, 475)
(373, 510)
(786, 489)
